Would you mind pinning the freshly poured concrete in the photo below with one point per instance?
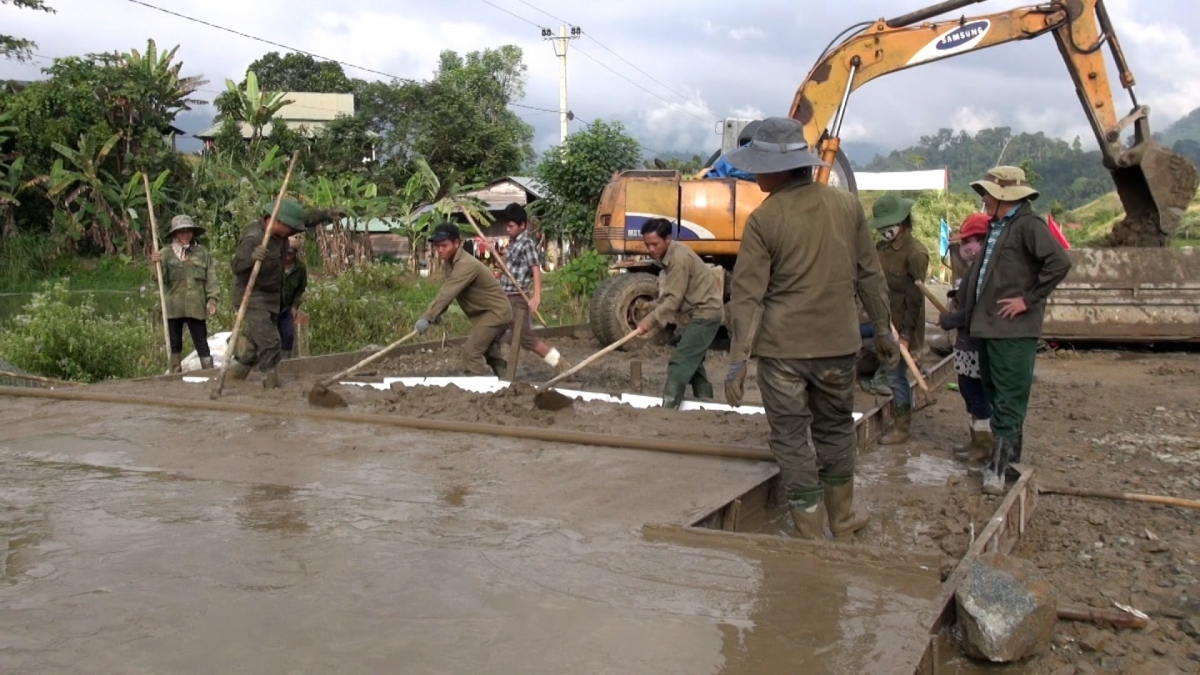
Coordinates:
(148, 540)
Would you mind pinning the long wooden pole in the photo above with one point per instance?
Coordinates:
(38, 378)
(503, 267)
(333, 379)
(589, 360)
(455, 426)
(1124, 496)
(237, 322)
(932, 298)
(912, 365)
(162, 294)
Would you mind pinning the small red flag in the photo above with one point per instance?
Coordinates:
(1057, 232)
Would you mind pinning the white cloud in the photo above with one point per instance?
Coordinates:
(745, 32)
(973, 120)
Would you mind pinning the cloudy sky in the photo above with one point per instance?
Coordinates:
(667, 69)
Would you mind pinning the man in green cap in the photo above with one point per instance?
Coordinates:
(479, 294)
(1004, 302)
(804, 254)
(690, 290)
(905, 262)
(262, 313)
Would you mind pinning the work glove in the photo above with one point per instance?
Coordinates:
(887, 347)
(422, 326)
(735, 383)
(259, 254)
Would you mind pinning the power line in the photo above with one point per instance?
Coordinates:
(652, 78)
(623, 77)
(539, 9)
(512, 13)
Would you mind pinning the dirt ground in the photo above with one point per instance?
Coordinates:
(1125, 421)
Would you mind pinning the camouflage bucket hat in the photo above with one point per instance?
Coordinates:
(777, 146)
(1007, 184)
(182, 222)
(291, 213)
(891, 209)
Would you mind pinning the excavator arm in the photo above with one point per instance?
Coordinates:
(1154, 184)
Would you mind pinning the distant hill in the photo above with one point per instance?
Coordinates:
(1186, 128)
(860, 154)
(1091, 223)
(1062, 172)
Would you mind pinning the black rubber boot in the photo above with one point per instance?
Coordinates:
(673, 395)
(704, 392)
(206, 363)
(996, 469)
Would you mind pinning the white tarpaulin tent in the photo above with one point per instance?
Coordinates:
(895, 181)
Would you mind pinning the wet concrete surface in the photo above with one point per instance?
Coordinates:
(147, 540)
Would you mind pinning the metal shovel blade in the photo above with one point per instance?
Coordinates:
(322, 397)
(552, 400)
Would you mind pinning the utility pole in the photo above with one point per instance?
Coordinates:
(560, 50)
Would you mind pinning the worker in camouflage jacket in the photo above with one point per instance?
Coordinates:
(690, 294)
(478, 293)
(191, 289)
(1004, 303)
(905, 263)
(262, 313)
(805, 252)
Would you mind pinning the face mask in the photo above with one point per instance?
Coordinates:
(970, 250)
(889, 233)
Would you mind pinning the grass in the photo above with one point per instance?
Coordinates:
(1090, 224)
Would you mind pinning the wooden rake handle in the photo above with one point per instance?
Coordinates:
(932, 298)
(589, 360)
(504, 267)
(324, 384)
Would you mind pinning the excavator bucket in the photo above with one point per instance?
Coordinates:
(1155, 186)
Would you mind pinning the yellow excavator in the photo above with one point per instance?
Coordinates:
(1136, 290)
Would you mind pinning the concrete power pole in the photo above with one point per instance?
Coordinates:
(560, 50)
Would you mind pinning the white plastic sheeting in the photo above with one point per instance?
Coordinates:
(217, 344)
(895, 181)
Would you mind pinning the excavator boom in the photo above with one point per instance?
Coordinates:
(1154, 184)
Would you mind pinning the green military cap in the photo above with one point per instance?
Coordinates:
(291, 213)
(891, 209)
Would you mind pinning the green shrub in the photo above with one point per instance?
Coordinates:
(57, 335)
(583, 275)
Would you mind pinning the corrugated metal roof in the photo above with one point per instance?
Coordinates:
(530, 184)
(307, 112)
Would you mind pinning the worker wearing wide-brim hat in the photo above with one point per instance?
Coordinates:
(803, 254)
(905, 262)
(262, 313)
(1004, 299)
(190, 287)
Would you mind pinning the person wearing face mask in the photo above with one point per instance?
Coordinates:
(1004, 303)
(905, 262)
(971, 238)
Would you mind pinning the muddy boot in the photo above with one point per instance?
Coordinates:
(499, 366)
(206, 363)
(270, 379)
(997, 466)
(704, 392)
(899, 433)
(980, 447)
(673, 395)
(808, 514)
(839, 504)
(880, 384)
(176, 363)
(238, 371)
(285, 355)
(1010, 473)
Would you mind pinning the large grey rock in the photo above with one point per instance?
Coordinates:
(1006, 609)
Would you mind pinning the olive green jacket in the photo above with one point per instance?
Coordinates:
(268, 287)
(905, 262)
(294, 285)
(477, 291)
(805, 252)
(189, 285)
(690, 289)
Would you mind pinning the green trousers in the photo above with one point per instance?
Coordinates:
(1006, 367)
(687, 363)
(817, 396)
(262, 339)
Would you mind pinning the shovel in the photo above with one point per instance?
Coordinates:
(548, 399)
(320, 395)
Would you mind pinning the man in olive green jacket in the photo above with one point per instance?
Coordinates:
(689, 291)
(804, 254)
(478, 293)
(262, 313)
(1004, 296)
(191, 289)
(905, 263)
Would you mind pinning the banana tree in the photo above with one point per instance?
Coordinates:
(88, 198)
(350, 196)
(427, 201)
(251, 105)
(12, 184)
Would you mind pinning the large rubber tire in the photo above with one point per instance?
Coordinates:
(620, 303)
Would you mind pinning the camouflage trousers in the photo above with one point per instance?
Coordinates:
(262, 340)
(817, 395)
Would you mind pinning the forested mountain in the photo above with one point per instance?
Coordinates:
(1063, 172)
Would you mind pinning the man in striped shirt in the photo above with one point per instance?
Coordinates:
(524, 260)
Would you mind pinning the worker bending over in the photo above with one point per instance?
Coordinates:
(805, 252)
(905, 263)
(478, 293)
(691, 295)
